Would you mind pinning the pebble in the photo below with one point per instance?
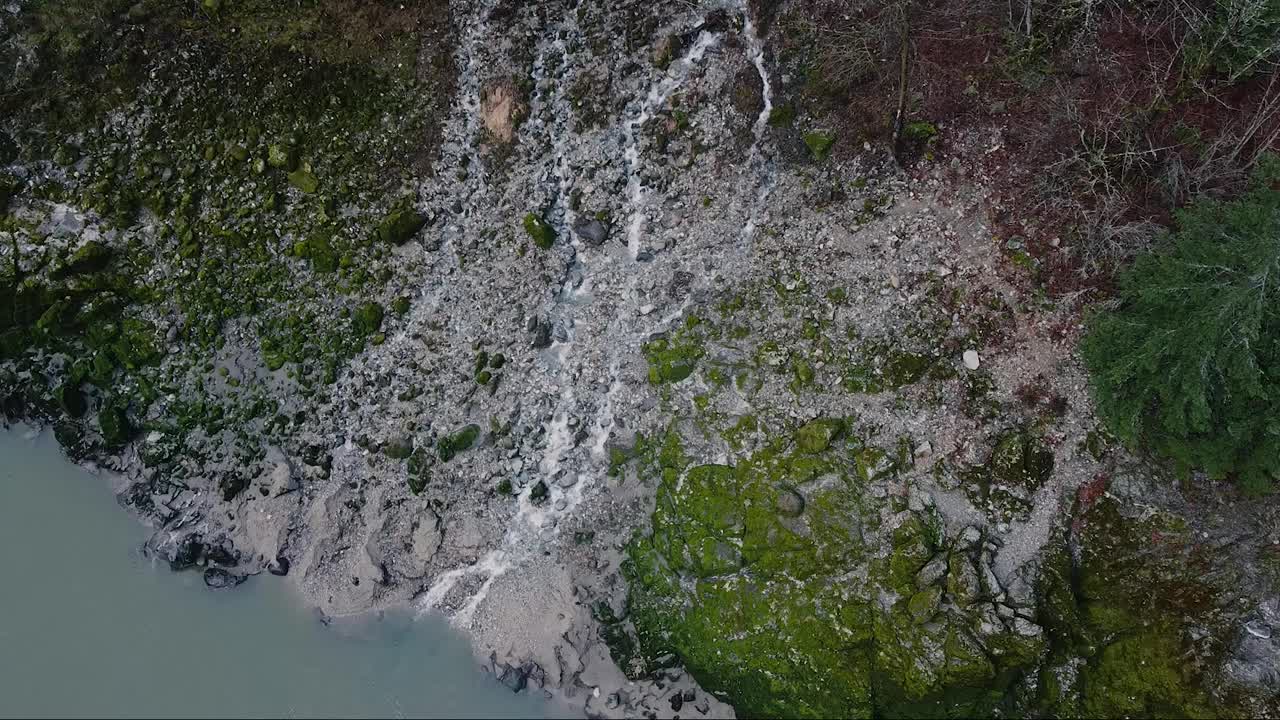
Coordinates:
(971, 359)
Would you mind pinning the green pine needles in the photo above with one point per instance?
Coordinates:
(1188, 362)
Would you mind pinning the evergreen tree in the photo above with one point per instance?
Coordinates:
(1187, 363)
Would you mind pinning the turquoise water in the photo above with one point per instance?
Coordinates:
(88, 626)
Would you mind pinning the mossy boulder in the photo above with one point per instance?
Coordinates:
(672, 359)
(400, 225)
(819, 143)
(367, 319)
(282, 157)
(9, 187)
(543, 235)
(70, 399)
(114, 424)
(91, 257)
(304, 180)
(398, 448)
(419, 470)
(817, 435)
(1021, 459)
(1146, 613)
(460, 441)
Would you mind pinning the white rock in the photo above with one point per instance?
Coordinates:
(971, 359)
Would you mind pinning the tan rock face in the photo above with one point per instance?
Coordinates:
(501, 108)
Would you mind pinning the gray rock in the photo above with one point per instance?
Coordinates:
(932, 572)
(219, 579)
(592, 231)
(789, 503)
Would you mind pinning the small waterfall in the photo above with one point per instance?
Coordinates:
(760, 165)
(588, 270)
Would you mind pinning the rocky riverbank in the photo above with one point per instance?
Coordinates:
(572, 322)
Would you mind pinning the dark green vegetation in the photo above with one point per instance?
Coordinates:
(1186, 362)
(244, 164)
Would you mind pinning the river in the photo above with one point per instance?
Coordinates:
(88, 626)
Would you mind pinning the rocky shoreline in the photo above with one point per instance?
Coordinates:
(578, 333)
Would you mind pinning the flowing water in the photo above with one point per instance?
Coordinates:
(88, 626)
(585, 277)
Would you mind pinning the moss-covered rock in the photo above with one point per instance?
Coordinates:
(91, 257)
(367, 319)
(819, 143)
(543, 235)
(304, 180)
(114, 424)
(419, 470)
(789, 620)
(816, 436)
(675, 357)
(400, 225)
(71, 399)
(1021, 459)
(462, 440)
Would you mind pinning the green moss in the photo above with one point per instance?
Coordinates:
(320, 252)
(817, 435)
(398, 449)
(924, 604)
(400, 225)
(819, 143)
(1021, 459)
(540, 231)
(115, 426)
(304, 180)
(367, 319)
(1143, 675)
(282, 157)
(672, 359)
(460, 441)
(419, 470)
(782, 116)
(91, 257)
